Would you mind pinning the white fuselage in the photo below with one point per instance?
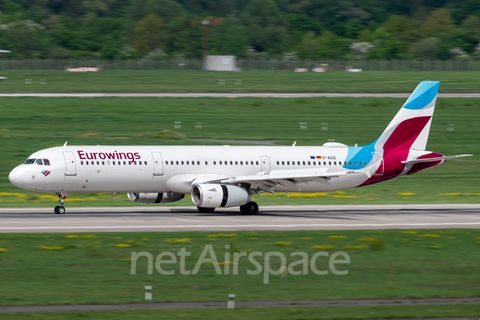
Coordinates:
(124, 169)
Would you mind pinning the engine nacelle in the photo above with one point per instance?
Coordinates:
(216, 195)
(155, 197)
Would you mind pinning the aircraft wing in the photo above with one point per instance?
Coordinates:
(288, 178)
(413, 161)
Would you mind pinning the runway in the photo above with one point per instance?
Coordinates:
(169, 219)
(231, 95)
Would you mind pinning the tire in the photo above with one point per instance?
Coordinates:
(59, 210)
(250, 208)
(205, 210)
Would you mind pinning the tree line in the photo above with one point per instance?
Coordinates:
(281, 29)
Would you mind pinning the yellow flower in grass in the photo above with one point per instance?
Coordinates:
(337, 237)
(355, 247)
(226, 262)
(183, 240)
(284, 243)
(307, 238)
(221, 235)
(410, 232)
(431, 235)
(127, 259)
(437, 246)
(3, 250)
(9, 194)
(73, 236)
(54, 248)
(88, 236)
(366, 239)
(406, 194)
(322, 247)
(122, 245)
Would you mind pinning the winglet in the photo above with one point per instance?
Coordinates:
(65, 144)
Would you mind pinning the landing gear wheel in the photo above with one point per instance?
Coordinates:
(61, 199)
(205, 210)
(250, 208)
(59, 210)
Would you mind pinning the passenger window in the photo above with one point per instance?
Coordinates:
(206, 163)
(39, 162)
(220, 162)
(81, 162)
(214, 163)
(355, 162)
(182, 163)
(103, 163)
(124, 162)
(236, 163)
(278, 163)
(288, 163)
(166, 162)
(98, 163)
(315, 163)
(350, 163)
(256, 162)
(193, 163)
(334, 163)
(246, 162)
(241, 162)
(46, 162)
(145, 162)
(303, 162)
(93, 162)
(283, 163)
(198, 163)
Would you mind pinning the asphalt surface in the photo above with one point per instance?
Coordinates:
(240, 304)
(309, 217)
(232, 94)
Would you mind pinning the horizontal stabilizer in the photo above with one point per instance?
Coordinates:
(413, 161)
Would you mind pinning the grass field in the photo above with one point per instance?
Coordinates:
(30, 124)
(287, 313)
(255, 81)
(96, 268)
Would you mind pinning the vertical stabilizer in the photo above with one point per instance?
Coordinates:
(411, 126)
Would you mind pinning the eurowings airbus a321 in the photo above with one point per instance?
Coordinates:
(227, 176)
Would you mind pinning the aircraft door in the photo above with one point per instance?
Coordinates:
(378, 160)
(265, 164)
(157, 163)
(70, 167)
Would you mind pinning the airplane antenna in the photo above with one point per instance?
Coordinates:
(293, 145)
(65, 144)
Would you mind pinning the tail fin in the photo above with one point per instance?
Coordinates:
(411, 126)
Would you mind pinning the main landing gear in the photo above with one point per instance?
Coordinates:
(250, 208)
(61, 199)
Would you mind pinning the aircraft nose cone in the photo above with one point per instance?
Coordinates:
(16, 177)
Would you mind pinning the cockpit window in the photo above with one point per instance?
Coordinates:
(46, 162)
(39, 161)
(29, 161)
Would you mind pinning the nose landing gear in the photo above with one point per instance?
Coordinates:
(61, 199)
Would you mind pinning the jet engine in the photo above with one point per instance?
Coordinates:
(155, 197)
(216, 195)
